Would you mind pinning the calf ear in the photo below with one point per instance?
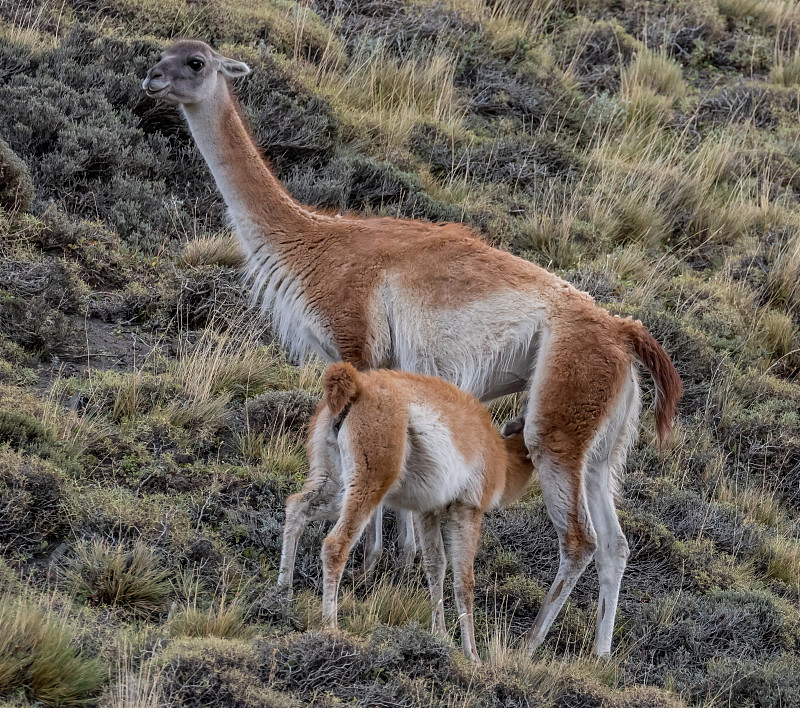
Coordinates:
(234, 69)
(512, 427)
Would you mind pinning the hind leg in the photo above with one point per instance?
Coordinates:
(610, 557)
(317, 500)
(435, 564)
(463, 533)
(373, 544)
(612, 553)
(406, 540)
(565, 497)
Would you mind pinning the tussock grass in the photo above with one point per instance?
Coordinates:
(130, 578)
(782, 556)
(777, 333)
(645, 181)
(37, 655)
(786, 71)
(783, 278)
(759, 504)
(278, 452)
(223, 250)
(231, 362)
(385, 604)
(771, 14)
(221, 620)
(657, 72)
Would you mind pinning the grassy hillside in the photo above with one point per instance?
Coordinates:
(646, 150)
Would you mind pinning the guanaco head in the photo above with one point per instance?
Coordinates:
(189, 72)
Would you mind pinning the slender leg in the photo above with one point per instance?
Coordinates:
(336, 549)
(373, 544)
(603, 473)
(405, 537)
(610, 557)
(435, 563)
(369, 470)
(318, 500)
(463, 533)
(565, 498)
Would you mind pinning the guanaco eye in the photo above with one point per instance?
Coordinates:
(195, 64)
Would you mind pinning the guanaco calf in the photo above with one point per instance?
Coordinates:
(410, 442)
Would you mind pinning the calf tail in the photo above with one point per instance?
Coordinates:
(341, 387)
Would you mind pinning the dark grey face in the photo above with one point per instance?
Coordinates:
(188, 73)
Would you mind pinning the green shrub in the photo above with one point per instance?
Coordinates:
(273, 411)
(682, 636)
(21, 430)
(37, 655)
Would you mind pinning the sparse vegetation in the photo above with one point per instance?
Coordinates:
(151, 430)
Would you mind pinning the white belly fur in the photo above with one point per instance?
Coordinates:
(435, 472)
(487, 348)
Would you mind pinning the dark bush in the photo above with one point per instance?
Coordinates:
(35, 325)
(217, 673)
(681, 637)
(414, 652)
(316, 663)
(740, 103)
(519, 161)
(399, 666)
(753, 684)
(597, 52)
(359, 183)
(32, 504)
(290, 411)
(16, 185)
(291, 125)
(495, 90)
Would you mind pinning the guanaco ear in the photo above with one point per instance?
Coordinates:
(234, 69)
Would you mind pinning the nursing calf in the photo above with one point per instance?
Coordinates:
(414, 443)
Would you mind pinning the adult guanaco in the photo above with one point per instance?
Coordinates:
(436, 299)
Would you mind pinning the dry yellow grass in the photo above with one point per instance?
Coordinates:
(381, 98)
(223, 250)
(221, 620)
(771, 14)
(385, 603)
(786, 71)
(134, 685)
(782, 556)
(657, 72)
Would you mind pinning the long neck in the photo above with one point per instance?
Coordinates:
(519, 469)
(260, 206)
